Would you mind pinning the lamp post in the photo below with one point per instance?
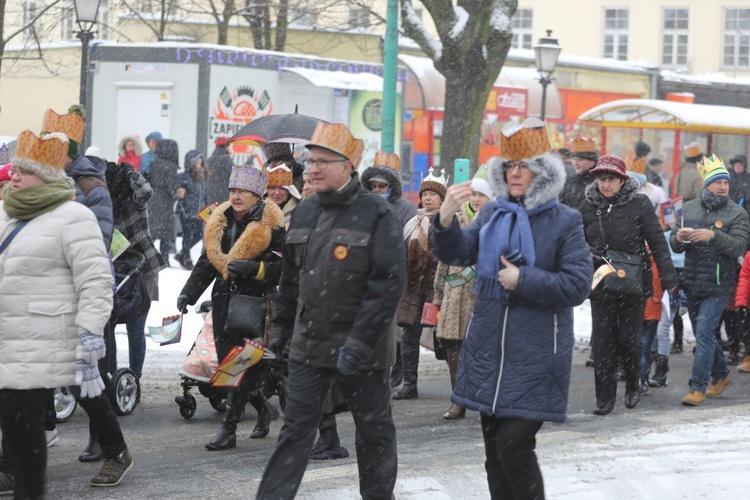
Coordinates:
(86, 18)
(547, 51)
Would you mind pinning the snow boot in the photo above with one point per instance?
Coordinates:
(660, 376)
(92, 453)
(226, 436)
(410, 365)
(267, 413)
(397, 374)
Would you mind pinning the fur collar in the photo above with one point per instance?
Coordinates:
(547, 184)
(627, 192)
(253, 241)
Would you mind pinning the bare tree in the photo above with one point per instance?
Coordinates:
(474, 39)
(155, 14)
(34, 29)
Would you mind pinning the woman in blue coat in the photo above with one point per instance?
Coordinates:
(532, 268)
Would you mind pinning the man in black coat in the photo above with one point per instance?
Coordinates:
(584, 158)
(739, 188)
(220, 165)
(342, 278)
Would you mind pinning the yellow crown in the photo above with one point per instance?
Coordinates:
(51, 150)
(693, 149)
(337, 138)
(527, 140)
(383, 159)
(279, 176)
(711, 167)
(71, 125)
(583, 145)
(637, 166)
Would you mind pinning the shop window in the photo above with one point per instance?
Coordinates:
(29, 13)
(359, 17)
(736, 50)
(303, 17)
(68, 18)
(674, 46)
(521, 24)
(616, 34)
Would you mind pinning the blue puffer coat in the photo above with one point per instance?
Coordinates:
(516, 355)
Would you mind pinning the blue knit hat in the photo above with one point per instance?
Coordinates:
(712, 169)
(249, 178)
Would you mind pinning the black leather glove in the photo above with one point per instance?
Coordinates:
(244, 268)
(742, 313)
(182, 302)
(349, 362)
(276, 345)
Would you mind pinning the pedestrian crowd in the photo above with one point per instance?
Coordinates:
(341, 280)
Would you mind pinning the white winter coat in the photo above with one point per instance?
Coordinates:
(55, 281)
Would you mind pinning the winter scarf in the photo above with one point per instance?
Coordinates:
(30, 202)
(712, 200)
(507, 230)
(416, 236)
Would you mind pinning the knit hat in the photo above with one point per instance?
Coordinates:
(93, 151)
(249, 178)
(279, 176)
(479, 183)
(641, 149)
(712, 169)
(693, 152)
(277, 151)
(434, 184)
(70, 124)
(610, 164)
(5, 172)
(221, 142)
(641, 178)
(584, 148)
(45, 157)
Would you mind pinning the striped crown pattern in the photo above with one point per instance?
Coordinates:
(338, 138)
(71, 125)
(51, 150)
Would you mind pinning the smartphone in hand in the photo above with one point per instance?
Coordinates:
(461, 170)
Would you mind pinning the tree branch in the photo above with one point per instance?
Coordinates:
(31, 22)
(415, 29)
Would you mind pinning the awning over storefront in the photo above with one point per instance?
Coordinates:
(670, 115)
(339, 79)
(428, 89)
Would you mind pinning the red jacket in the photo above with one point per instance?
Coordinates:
(132, 158)
(743, 285)
(653, 303)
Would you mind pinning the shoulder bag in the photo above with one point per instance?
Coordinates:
(246, 315)
(627, 278)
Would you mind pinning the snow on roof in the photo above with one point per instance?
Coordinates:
(652, 113)
(641, 66)
(340, 79)
(705, 79)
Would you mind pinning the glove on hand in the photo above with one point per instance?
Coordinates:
(93, 347)
(88, 378)
(244, 268)
(182, 302)
(742, 313)
(349, 362)
(276, 345)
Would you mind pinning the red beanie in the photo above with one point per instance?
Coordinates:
(610, 164)
(5, 172)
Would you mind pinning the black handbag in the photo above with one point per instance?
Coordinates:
(627, 278)
(246, 316)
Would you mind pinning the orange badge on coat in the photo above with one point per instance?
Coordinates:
(621, 273)
(340, 252)
(719, 224)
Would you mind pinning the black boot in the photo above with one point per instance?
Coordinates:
(328, 445)
(660, 376)
(92, 453)
(604, 408)
(226, 436)
(397, 374)
(410, 364)
(632, 398)
(267, 413)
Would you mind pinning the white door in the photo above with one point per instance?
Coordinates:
(141, 111)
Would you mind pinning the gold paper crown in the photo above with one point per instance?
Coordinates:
(280, 176)
(693, 149)
(337, 138)
(710, 167)
(51, 150)
(637, 166)
(71, 125)
(383, 159)
(527, 140)
(583, 145)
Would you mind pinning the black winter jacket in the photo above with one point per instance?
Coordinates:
(343, 275)
(629, 223)
(574, 191)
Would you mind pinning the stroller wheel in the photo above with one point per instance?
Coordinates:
(124, 391)
(217, 402)
(187, 405)
(65, 404)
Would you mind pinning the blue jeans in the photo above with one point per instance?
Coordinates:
(136, 345)
(710, 363)
(192, 233)
(647, 342)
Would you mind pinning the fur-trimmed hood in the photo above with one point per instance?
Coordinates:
(547, 184)
(136, 141)
(386, 173)
(628, 191)
(253, 241)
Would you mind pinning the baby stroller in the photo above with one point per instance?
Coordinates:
(201, 364)
(123, 387)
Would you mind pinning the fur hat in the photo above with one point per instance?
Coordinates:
(249, 178)
(548, 181)
(610, 164)
(5, 172)
(641, 149)
(45, 157)
(712, 169)
(277, 151)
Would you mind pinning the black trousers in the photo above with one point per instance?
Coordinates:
(512, 469)
(103, 423)
(368, 396)
(22, 421)
(618, 326)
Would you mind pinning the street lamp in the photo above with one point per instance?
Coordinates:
(547, 51)
(86, 18)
